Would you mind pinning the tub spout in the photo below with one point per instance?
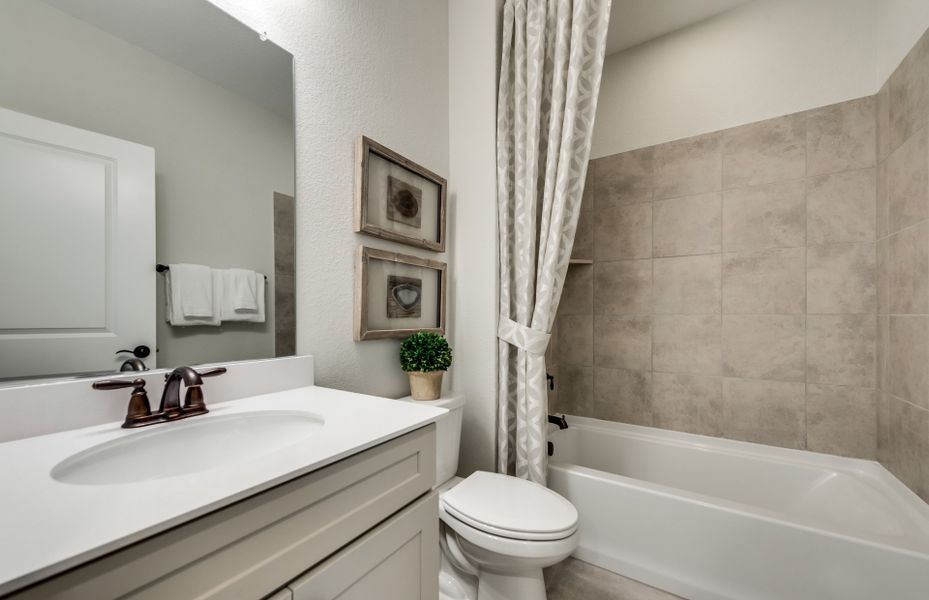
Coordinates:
(561, 422)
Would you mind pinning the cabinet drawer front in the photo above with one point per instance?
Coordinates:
(252, 548)
(399, 560)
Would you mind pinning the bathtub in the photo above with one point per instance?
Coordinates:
(713, 519)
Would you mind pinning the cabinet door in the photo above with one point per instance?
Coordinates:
(398, 560)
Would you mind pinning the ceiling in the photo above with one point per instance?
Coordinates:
(199, 37)
(635, 21)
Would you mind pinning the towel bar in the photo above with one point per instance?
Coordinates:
(162, 268)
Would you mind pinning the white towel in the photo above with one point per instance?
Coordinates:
(191, 290)
(240, 290)
(243, 296)
(193, 295)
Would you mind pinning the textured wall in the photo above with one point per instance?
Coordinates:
(903, 270)
(732, 290)
(378, 67)
(764, 59)
(472, 58)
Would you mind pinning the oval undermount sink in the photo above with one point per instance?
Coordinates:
(188, 446)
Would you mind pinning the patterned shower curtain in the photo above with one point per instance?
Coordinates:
(549, 82)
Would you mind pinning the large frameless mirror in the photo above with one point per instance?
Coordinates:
(135, 135)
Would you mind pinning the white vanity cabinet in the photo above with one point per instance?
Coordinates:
(363, 527)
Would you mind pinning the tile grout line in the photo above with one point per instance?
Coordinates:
(806, 278)
(722, 229)
(651, 359)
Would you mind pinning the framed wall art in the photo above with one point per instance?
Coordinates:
(397, 295)
(397, 199)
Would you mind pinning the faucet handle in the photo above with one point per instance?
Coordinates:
(139, 411)
(193, 398)
(212, 372)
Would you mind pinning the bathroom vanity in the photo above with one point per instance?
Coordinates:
(301, 493)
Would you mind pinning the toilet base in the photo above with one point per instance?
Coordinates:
(454, 584)
(521, 585)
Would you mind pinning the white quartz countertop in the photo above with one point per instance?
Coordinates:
(47, 526)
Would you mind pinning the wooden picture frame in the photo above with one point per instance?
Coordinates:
(398, 225)
(367, 319)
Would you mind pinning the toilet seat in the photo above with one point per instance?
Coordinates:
(508, 548)
(508, 507)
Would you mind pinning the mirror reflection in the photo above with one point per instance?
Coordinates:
(136, 135)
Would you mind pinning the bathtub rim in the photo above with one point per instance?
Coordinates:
(856, 467)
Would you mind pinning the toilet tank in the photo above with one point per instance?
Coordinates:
(447, 434)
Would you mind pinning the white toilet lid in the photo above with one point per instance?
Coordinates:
(511, 507)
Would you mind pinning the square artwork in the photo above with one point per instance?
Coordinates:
(404, 297)
(404, 202)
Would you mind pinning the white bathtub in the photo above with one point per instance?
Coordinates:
(708, 518)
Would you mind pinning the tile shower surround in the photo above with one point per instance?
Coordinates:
(767, 283)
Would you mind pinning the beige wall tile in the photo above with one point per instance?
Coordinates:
(575, 390)
(623, 395)
(908, 270)
(763, 346)
(576, 340)
(842, 136)
(623, 287)
(882, 275)
(908, 182)
(882, 212)
(687, 344)
(909, 358)
(841, 420)
(689, 166)
(840, 278)
(908, 451)
(690, 403)
(840, 207)
(623, 343)
(882, 354)
(688, 225)
(883, 428)
(622, 231)
(909, 93)
(687, 284)
(577, 296)
(882, 101)
(835, 178)
(624, 178)
(764, 412)
(584, 235)
(840, 349)
(768, 281)
(766, 216)
(764, 152)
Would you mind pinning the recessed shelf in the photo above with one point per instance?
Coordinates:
(580, 261)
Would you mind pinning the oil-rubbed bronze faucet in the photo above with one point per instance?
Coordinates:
(193, 400)
(139, 413)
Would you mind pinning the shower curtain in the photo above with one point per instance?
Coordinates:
(549, 81)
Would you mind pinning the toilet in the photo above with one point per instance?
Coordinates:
(497, 532)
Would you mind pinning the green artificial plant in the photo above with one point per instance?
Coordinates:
(425, 351)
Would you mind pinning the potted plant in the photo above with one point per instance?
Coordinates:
(425, 356)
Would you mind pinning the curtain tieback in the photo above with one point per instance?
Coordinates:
(531, 340)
